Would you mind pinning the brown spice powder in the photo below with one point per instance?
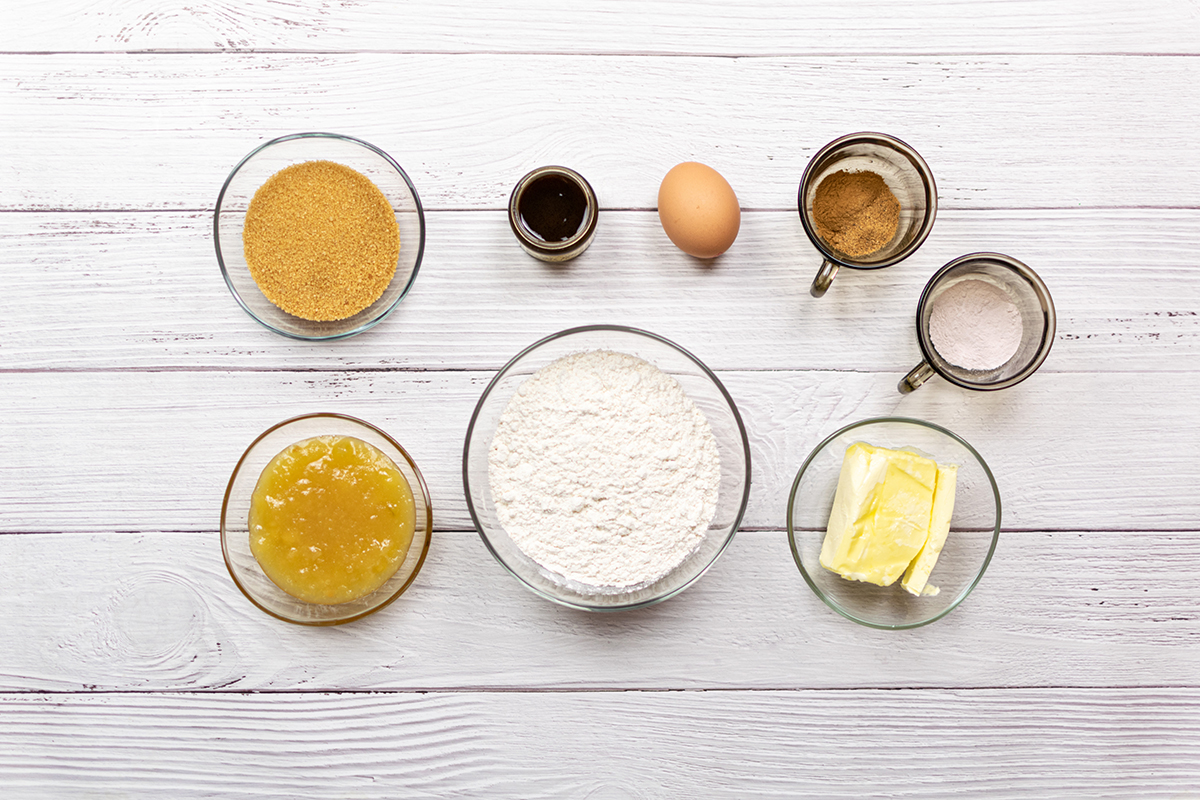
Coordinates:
(855, 212)
(321, 240)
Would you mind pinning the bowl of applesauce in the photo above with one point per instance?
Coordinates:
(326, 519)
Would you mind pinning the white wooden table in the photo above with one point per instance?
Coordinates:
(1062, 133)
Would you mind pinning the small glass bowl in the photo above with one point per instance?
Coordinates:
(267, 159)
(704, 389)
(235, 527)
(974, 531)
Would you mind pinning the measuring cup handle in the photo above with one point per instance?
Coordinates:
(825, 275)
(920, 373)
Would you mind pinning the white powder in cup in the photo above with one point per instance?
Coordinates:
(603, 470)
(974, 325)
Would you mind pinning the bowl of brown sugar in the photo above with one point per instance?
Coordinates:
(319, 236)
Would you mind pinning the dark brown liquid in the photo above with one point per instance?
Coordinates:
(552, 208)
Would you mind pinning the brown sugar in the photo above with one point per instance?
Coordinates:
(855, 212)
(321, 240)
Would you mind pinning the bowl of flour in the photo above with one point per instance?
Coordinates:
(606, 468)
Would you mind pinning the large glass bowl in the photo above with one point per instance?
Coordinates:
(267, 159)
(974, 527)
(235, 521)
(704, 389)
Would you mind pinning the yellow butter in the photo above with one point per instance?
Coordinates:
(916, 577)
(883, 512)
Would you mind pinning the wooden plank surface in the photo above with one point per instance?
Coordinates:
(153, 451)
(142, 290)
(655, 26)
(1007, 745)
(1060, 132)
(162, 131)
(158, 612)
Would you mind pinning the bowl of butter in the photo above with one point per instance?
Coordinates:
(893, 521)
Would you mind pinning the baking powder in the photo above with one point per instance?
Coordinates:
(974, 325)
(603, 470)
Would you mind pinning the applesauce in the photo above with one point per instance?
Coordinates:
(331, 519)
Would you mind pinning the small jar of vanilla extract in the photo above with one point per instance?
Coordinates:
(553, 211)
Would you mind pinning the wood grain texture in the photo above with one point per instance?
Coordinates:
(159, 612)
(1007, 745)
(128, 131)
(661, 26)
(153, 451)
(1059, 131)
(88, 291)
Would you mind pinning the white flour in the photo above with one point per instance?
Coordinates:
(974, 325)
(603, 470)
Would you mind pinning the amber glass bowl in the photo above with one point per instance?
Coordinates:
(267, 159)
(235, 515)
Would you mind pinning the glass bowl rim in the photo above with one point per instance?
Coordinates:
(737, 523)
(421, 485)
(368, 324)
(882, 140)
(982, 567)
(1026, 273)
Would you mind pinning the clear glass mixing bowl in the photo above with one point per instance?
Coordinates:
(700, 384)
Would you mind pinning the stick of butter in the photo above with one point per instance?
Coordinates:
(883, 513)
(916, 577)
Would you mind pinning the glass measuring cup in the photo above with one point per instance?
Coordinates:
(906, 175)
(1017, 283)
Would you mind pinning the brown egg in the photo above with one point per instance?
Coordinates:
(698, 210)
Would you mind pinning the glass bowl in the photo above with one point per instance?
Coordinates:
(974, 529)
(267, 159)
(704, 389)
(235, 529)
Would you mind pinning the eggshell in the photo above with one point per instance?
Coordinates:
(698, 210)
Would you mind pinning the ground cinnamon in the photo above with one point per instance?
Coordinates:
(855, 212)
